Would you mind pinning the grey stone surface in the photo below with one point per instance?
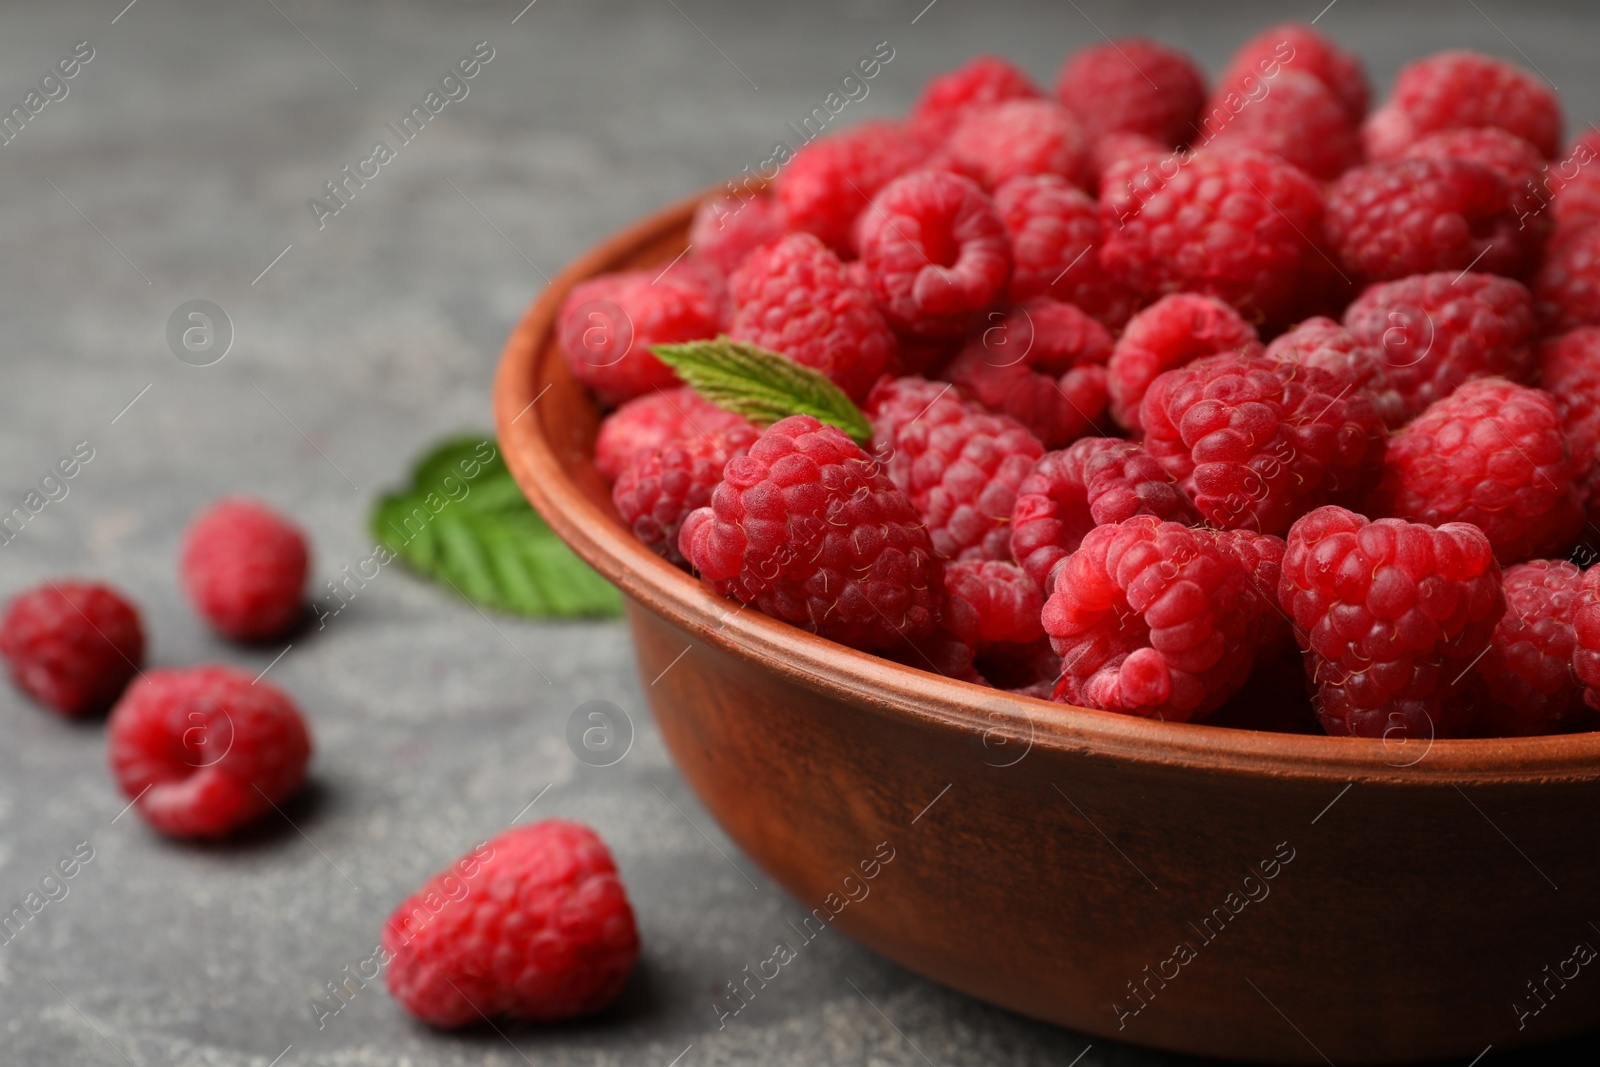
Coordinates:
(176, 169)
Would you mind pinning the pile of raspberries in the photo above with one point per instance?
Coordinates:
(1173, 391)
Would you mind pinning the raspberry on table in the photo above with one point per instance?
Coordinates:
(1569, 370)
(831, 180)
(532, 924)
(1492, 453)
(727, 229)
(1238, 225)
(806, 527)
(1455, 89)
(997, 142)
(609, 323)
(1528, 667)
(1092, 482)
(980, 81)
(1170, 333)
(991, 602)
(1055, 235)
(1162, 620)
(958, 463)
(1323, 343)
(244, 567)
(936, 253)
(1299, 119)
(1256, 443)
(660, 486)
(1294, 46)
(203, 751)
(1438, 330)
(1133, 85)
(1044, 364)
(1567, 286)
(1391, 615)
(654, 420)
(72, 645)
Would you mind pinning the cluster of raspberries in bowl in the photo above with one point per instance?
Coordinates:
(1174, 394)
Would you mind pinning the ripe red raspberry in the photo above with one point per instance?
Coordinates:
(1322, 343)
(998, 142)
(72, 646)
(244, 568)
(726, 229)
(1114, 148)
(661, 486)
(608, 324)
(795, 297)
(1571, 185)
(1256, 443)
(1162, 620)
(1236, 225)
(1170, 333)
(1044, 364)
(1567, 286)
(1055, 243)
(203, 751)
(1409, 216)
(1528, 667)
(1438, 330)
(1569, 370)
(1133, 85)
(991, 602)
(1391, 615)
(832, 180)
(1492, 453)
(805, 527)
(936, 253)
(1518, 163)
(959, 463)
(652, 421)
(1295, 117)
(1450, 90)
(982, 80)
(533, 924)
(1095, 481)
(1295, 46)
(1586, 627)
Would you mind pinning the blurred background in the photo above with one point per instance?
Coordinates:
(178, 168)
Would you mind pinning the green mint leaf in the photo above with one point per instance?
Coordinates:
(762, 386)
(464, 522)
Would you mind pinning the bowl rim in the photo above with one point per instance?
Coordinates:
(994, 718)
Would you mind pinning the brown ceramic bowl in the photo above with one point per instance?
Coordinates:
(1103, 872)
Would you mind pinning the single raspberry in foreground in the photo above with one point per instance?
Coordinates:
(72, 646)
(1528, 667)
(244, 567)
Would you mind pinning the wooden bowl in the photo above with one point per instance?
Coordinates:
(1215, 891)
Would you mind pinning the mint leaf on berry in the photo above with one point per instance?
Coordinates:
(762, 386)
(464, 522)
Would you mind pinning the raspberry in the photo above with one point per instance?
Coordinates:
(1573, 183)
(832, 180)
(982, 80)
(204, 751)
(995, 143)
(607, 325)
(661, 486)
(652, 421)
(1257, 443)
(1528, 667)
(533, 924)
(1322, 343)
(727, 229)
(1391, 615)
(1492, 453)
(1114, 148)
(1409, 216)
(1161, 620)
(72, 646)
(244, 568)
(959, 464)
(1133, 85)
(1094, 481)
(1518, 163)
(1298, 119)
(806, 528)
(1569, 370)
(936, 253)
(1567, 286)
(1236, 225)
(991, 602)
(1297, 47)
(1438, 330)
(795, 297)
(1043, 364)
(1450, 90)
(1055, 241)
(1175, 330)
(1586, 627)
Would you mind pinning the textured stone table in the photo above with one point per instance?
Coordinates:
(178, 167)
